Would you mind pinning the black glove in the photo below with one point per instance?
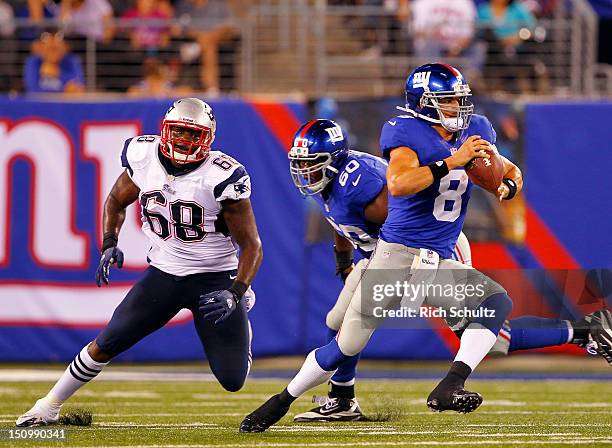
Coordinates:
(109, 256)
(218, 305)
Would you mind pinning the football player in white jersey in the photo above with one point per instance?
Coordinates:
(195, 204)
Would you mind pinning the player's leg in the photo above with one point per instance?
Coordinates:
(489, 305)
(148, 306)
(341, 404)
(463, 251)
(388, 264)
(529, 332)
(227, 344)
(228, 347)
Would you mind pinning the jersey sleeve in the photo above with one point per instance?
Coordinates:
(398, 132)
(485, 128)
(125, 163)
(363, 186)
(136, 154)
(234, 187)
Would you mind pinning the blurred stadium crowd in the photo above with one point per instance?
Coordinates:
(172, 47)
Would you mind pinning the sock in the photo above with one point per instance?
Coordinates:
(535, 332)
(580, 331)
(343, 381)
(286, 398)
(344, 390)
(310, 375)
(81, 370)
(476, 342)
(331, 334)
(345, 375)
(454, 379)
(457, 374)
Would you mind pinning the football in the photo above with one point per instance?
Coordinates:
(486, 173)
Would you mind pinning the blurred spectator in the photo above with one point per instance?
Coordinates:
(89, 18)
(37, 11)
(7, 19)
(52, 68)
(446, 28)
(506, 18)
(8, 48)
(506, 27)
(149, 37)
(209, 23)
(156, 82)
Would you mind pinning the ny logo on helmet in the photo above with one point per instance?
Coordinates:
(421, 79)
(335, 134)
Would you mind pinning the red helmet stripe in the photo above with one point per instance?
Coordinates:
(452, 69)
(306, 127)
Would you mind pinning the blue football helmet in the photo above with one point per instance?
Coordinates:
(429, 90)
(319, 149)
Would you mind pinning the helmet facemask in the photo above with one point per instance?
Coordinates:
(310, 172)
(192, 146)
(459, 116)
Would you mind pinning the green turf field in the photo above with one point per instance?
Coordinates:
(514, 413)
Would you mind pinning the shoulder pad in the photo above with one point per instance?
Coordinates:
(481, 125)
(137, 152)
(233, 180)
(359, 181)
(402, 130)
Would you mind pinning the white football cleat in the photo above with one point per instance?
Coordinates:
(332, 410)
(41, 414)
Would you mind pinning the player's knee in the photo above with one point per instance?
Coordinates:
(97, 354)
(333, 320)
(495, 309)
(232, 383)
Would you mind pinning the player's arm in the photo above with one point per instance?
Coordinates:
(405, 175)
(240, 221)
(343, 254)
(376, 211)
(217, 306)
(123, 193)
(513, 180)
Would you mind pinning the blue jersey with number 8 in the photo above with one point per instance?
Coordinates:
(359, 182)
(432, 218)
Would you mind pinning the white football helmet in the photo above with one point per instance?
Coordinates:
(188, 130)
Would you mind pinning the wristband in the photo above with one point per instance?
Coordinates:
(438, 169)
(344, 260)
(109, 239)
(238, 289)
(512, 187)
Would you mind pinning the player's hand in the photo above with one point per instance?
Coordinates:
(474, 146)
(218, 305)
(502, 192)
(109, 256)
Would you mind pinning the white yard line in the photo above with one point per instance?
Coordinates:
(352, 444)
(27, 375)
(155, 425)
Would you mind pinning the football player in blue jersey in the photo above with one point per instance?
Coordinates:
(350, 189)
(428, 194)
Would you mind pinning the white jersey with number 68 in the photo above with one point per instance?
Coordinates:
(181, 214)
